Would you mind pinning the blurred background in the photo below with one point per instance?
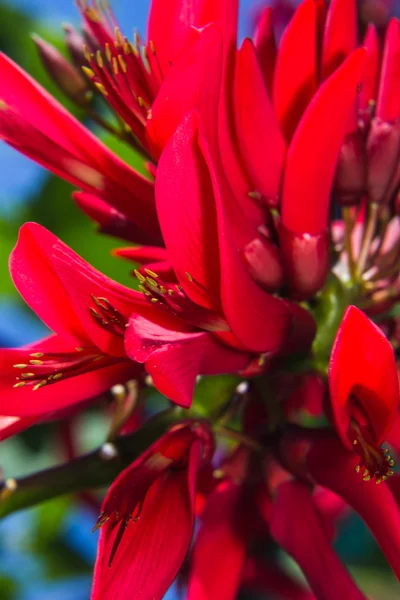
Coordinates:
(47, 553)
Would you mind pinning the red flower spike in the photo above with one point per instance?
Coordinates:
(298, 528)
(364, 391)
(219, 551)
(260, 139)
(295, 78)
(147, 517)
(387, 107)
(312, 156)
(340, 38)
(265, 45)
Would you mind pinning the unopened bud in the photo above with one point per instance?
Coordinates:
(383, 152)
(350, 180)
(76, 42)
(65, 75)
(264, 263)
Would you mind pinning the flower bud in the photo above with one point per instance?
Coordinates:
(65, 75)
(264, 264)
(350, 181)
(306, 261)
(383, 152)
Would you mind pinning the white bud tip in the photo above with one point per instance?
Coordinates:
(242, 388)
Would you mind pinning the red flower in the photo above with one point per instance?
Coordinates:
(202, 230)
(364, 390)
(88, 313)
(147, 517)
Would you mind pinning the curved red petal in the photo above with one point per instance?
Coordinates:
(312, 156)
(340, 37)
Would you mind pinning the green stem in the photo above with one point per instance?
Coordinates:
(95, 469)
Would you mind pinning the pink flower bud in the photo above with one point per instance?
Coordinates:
(65, 75)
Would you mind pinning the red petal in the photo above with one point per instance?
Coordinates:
(295, 79)
(174, 358)
(387, 107)
(152, 549)
(260, 140)
(10, 426)
(59, 286)
(314, 151)
(265, 45)
(340, 38)
(362, 364)
(186, 209)
(170, 24)
(333, 467)
(219, 551)
(192, 82)
(369, 84)
(142, 254)
(298, 528)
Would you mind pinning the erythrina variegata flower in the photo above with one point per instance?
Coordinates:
(262, 218)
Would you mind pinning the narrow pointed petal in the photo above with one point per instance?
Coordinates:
(369, 86)
(265, 45)
(219, 551)
(259, 137)
(312, 157)
(192, 82)
(340, 38)
(362, 364)
(142, 254)
(152, 548)
(387, 107)
(295, 79)
(333, 467)
(298, 528)
(186, 209)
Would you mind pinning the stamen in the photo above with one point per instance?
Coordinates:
(375, 461)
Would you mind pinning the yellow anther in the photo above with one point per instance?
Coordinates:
(152, 47)
(144, 290)
(141, 277)
(92, 15)
(78, 349)
(358, 468)
(151, 273)
(88, 72)
(101, 88)
(119, 37)
(20, 366)
(27, 375)
(367, 478)
(39, 385)
(115, 65)
(19, 384)
(188, 275)
(37, 355)
(152, 282)
(57, 376)
(154, 300)
(122, 63)
(86, 53)
(36, 363)
(99, 59)
(108, 52)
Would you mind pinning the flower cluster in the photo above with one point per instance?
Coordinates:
(264, 230)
